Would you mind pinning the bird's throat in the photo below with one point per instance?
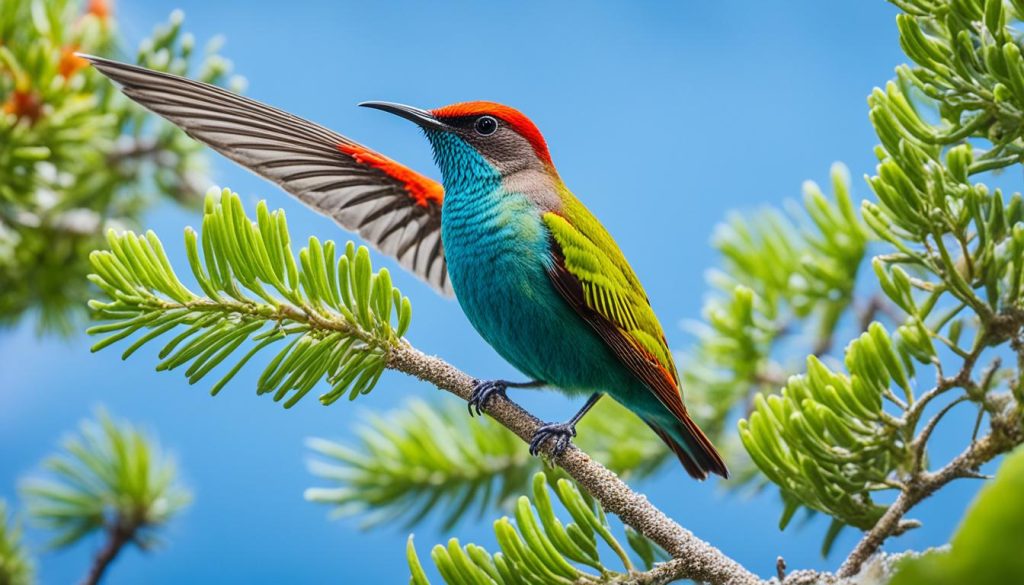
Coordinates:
(463, 169)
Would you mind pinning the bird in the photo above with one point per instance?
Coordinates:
(535, 272)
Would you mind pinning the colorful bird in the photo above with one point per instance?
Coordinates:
(536, 273)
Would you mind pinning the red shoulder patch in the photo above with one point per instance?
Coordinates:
(511, 116)
(424, 190)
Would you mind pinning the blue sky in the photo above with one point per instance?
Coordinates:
(661, 118)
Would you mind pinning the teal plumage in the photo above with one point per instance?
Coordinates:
(498, 249)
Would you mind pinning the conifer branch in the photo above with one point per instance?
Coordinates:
(1006, 434)
(112, 479)
(432, 459)
(540, 548)
(346, 324)
(696, 559)
(423, 459)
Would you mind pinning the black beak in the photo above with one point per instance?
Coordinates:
(421, 118)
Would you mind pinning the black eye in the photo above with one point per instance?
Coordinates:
(485, 125)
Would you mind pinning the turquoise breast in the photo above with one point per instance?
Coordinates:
(497, 249)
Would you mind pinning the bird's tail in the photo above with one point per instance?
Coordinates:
(691, 446)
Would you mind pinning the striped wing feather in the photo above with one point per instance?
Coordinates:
(392, 207)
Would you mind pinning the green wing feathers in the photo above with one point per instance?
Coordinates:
(609, 286)
(592, 275)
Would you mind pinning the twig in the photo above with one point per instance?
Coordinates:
(118, 535)
(135, 149)
(1005, 433)
(661, 574)
(921, 441)
(876, 305)
(692, 557)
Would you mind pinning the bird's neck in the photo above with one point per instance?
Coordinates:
(471, 179)
(480, 212)
(465, 172)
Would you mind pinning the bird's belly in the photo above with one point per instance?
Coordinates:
(500, 279)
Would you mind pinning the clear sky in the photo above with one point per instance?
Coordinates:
(660, 116)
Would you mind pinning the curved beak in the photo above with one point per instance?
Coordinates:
(421, 118)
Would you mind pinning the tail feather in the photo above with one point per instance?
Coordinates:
(693, 448)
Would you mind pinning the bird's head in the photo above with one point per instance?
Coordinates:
(479, 139)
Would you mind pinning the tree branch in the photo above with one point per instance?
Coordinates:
(661, 574)
(118, 535)
(1005, 434)
(692, 557)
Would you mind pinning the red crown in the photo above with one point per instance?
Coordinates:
(511, 116)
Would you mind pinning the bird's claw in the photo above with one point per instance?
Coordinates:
(484, 391)
(560, 433)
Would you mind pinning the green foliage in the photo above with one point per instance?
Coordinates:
(780, 273)
(965, 237)
(419, 460)
(15, 564)
(78, 156)
(435, 459)
(948, 275)
(826, 440)
(336, 319)
(986, 547)
(537, 547)
(110, 476)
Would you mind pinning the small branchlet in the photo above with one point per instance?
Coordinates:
(335, 318)
(110, 479)
(433, 459)
(827, 440)
(423, 459)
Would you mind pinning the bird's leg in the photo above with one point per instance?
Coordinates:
(561, 433)
(483, 391)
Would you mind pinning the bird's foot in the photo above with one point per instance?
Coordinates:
(484, 391)
(560, 433)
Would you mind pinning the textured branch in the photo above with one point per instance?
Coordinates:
(661, 574)
(118, 536)
(1005, 434)
(692, 557)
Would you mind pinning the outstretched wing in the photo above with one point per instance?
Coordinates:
(591, 273)
(392, 207)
